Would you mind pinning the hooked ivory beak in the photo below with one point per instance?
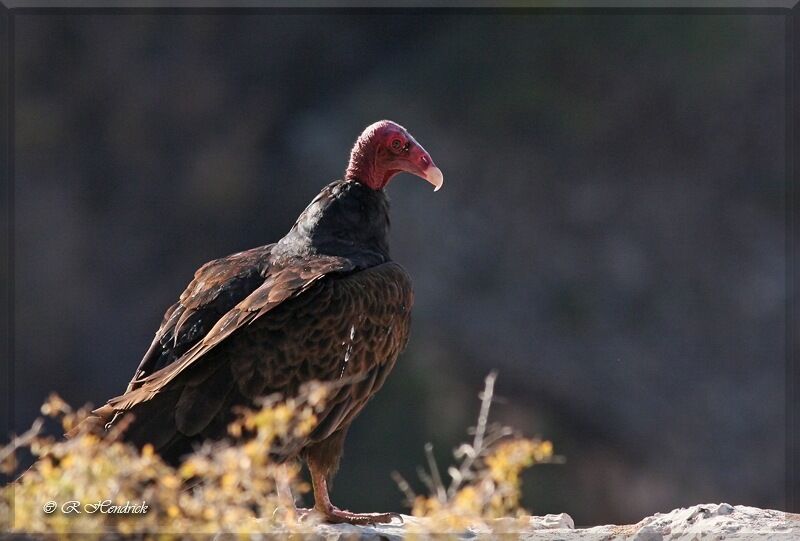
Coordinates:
(434, 175)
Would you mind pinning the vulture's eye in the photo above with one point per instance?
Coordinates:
(397, 144)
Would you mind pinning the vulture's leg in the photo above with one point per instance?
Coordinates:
(322, 504)
(323, 461)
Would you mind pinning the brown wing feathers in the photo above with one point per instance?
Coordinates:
(216, 288)
(279, 286)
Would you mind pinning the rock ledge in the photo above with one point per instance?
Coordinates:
(706, 522)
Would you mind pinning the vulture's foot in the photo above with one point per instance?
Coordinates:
(331, 513)
(335, 515)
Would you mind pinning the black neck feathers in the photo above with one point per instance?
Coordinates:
(346, 219)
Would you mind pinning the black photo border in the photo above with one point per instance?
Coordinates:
(792, 196)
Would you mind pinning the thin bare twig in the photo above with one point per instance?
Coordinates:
(441, 493)
(486, 403)
(405, 488)
(479, 441)
(426, 479)
(7, 453)
(23, 440)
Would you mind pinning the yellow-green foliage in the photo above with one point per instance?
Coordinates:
(231, 485)
(222, 487)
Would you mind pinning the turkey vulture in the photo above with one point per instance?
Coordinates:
(325, 302)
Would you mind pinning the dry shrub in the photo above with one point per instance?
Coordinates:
(485, 482)
(230, 486)
(224, 486)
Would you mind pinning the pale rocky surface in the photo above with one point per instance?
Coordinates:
(700, 522)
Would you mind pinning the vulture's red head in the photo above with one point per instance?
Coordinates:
(385, 149)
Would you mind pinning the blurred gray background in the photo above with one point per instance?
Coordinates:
(610, 236)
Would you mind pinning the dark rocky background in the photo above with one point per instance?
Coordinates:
(610, 235)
